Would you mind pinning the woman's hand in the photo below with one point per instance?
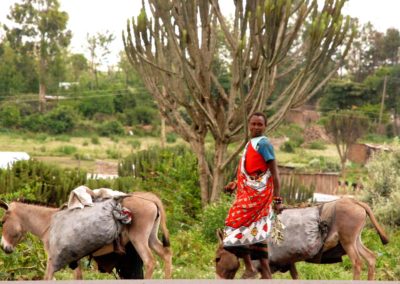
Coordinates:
(230, 187)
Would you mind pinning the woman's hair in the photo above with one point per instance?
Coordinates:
(258, 113)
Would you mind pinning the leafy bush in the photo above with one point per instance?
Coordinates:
(60, 120)
(317, 145)
(46, 183)
(382, 187)
(109, 128)
(10, 116)
(90, 106)
(67, 149)
(323, 164)
(135, 144)
(34, 123)
(144, 115)
(288, 147)
(172, 174)
(171, 137)
(213, 217)
(95, 140)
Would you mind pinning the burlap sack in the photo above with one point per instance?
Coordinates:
(302, 237)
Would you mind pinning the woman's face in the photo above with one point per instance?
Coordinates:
(256, 126)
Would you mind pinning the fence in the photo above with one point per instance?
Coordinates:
(326, 183)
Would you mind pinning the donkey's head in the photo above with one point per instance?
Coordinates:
(226, 263)
(12, 231)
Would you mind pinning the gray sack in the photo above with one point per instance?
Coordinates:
(302, 237)
(78, 232)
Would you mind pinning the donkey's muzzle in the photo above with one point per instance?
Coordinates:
(7, 249)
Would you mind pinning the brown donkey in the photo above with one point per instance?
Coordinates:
(346, 219)
(148, 215)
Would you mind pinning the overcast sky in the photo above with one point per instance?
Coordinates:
(92, 16)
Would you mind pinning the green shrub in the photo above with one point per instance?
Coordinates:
(323, 164)
(213, 217)
(95, 140)
(172, 174)
(113, 154)
(34, 123)
(83, 157)
(41, 137)
(144, 115)
(67, 149)
(135, 144)
(382, 187)
(317, 145)
(60, 120)
(288, 147)
(109, 128)
(90, 106)
(10, 116)
(171, 137)
(47, 183)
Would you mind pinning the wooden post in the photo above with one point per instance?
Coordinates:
(382, 102)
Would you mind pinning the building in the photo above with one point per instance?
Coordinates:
(360, 153)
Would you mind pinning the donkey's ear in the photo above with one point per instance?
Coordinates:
(220, 235)
(3, 205)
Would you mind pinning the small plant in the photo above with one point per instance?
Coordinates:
(95, 140)
(113, 154)
(85, 143)
(83, 157)
(67, 149)
(288, 147)
(317, 145)
(135, 144)
(41, 137)
(171, 137)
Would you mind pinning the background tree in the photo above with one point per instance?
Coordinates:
(366, 53)
(391, 46)
(79, 64)
(346, 94)
(39, 29)
(344, 129)
(176, 49)
(99, 48)
(376, 83)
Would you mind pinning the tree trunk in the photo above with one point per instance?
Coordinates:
(163, 135)
(42, 97)
(198, 148)
(218, 172)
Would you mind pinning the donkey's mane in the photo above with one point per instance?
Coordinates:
(35, 202)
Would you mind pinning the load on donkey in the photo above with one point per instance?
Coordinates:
(139, 237)
(318, 234)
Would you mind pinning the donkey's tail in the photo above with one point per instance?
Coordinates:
(382, 235)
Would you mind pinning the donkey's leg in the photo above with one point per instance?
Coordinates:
(139, 234)
(162, 251)
(48, 275)
(145, 254)
(369, 257)
(352, 252)
(265, 270)
(293, 271)
(78, 271)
